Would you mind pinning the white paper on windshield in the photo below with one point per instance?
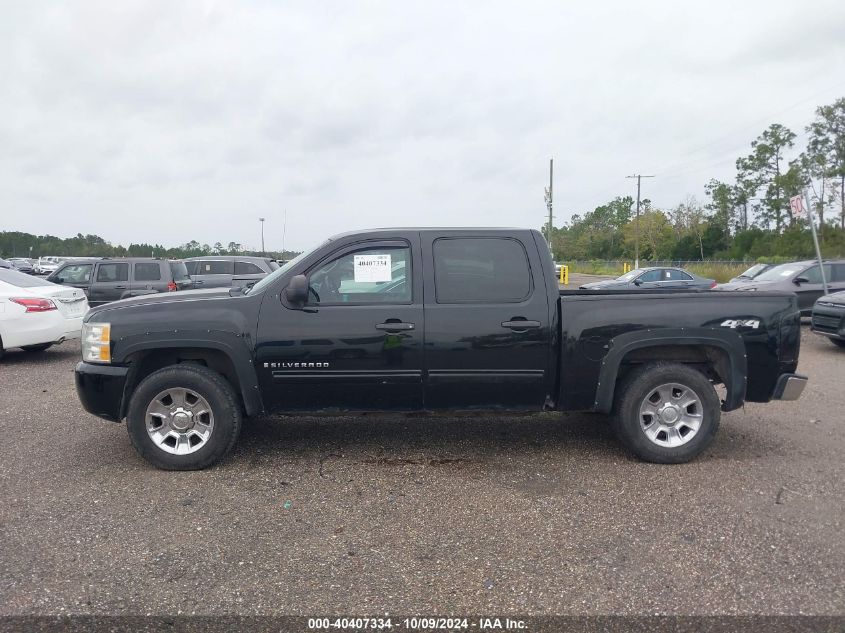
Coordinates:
(372, 268)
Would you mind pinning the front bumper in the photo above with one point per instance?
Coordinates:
(829, 321)
(100, 389)
(789, 387)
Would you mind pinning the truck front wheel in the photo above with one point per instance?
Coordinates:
(666, 413)
(183, 417)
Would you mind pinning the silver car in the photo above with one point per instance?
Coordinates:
(653, 278)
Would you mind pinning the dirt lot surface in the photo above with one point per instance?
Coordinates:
(367, 515)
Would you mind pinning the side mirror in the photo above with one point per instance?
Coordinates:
(297, 291)
(637, 282)
(800, 280)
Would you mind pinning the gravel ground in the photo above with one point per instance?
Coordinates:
(367, 515)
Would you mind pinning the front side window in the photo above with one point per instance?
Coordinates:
(113, 272)
(838, 273)
(147, 271)
(369, 275)
(814, 276)
(651, 275)
(480, 269)
(74, 274)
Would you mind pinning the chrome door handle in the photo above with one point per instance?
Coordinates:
(520, 324)
(394, 326)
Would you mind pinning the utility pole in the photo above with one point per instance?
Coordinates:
(262, 234)
(639, 177)
(284, 232)
(549, 193)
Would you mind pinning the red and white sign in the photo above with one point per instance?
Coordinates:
(796, 204)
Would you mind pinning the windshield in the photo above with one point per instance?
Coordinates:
(756, 269)
(630, 275)
(269, 279)
(781, 272)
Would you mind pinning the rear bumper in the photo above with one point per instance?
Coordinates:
(100, 389)
(789, 387)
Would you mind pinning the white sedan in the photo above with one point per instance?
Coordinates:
(35, 314)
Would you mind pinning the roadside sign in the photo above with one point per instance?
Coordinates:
(796, 205)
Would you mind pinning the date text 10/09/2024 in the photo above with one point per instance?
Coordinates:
(416, 623)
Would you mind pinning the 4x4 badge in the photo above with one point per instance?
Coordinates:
(735, 323)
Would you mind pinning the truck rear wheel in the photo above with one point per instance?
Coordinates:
(666, 413)
(183, 417)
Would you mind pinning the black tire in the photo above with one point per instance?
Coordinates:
(37, 348)
(839, 342)
(643, 381)
(221, 398)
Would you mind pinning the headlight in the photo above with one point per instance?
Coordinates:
(96, 342)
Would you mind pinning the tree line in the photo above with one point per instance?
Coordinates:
(747, 218)
(17, 244)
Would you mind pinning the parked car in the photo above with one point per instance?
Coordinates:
(802, 278)
(829, 317)
(228, 271)
(48, 264)
(432, 319)
(105, 280)
(23, 265)
(35, 314)
(755, 271)
(653, 278)
(5, 264)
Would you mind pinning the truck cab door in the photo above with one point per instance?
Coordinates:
(487, 323)
(357, 345)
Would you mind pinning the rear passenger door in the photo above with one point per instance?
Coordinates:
(111, 282)
(214, 273)
(487, 330)
(146, 278)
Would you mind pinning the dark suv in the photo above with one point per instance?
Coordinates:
(226, 271)
(105, 280)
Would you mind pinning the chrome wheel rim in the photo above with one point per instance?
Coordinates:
(671, 415)
(179, 421)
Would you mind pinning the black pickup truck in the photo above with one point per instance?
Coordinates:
(432, 319)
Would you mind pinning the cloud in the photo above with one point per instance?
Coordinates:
(165, 122)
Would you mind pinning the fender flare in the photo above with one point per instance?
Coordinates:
(234, 346)
(728, 341)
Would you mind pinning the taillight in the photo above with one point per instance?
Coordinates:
(171, 286)
(34, 305)
(713, 284)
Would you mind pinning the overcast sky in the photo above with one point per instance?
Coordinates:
(169, 121)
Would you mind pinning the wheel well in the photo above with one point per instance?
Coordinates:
(143, 363)
(712, 361)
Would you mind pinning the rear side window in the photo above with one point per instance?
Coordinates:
(215, 267)
(674, 275)
(113, 272)
(179, 271)
(489, 270)
(838, 272)
(247, 268)
(147, 271)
